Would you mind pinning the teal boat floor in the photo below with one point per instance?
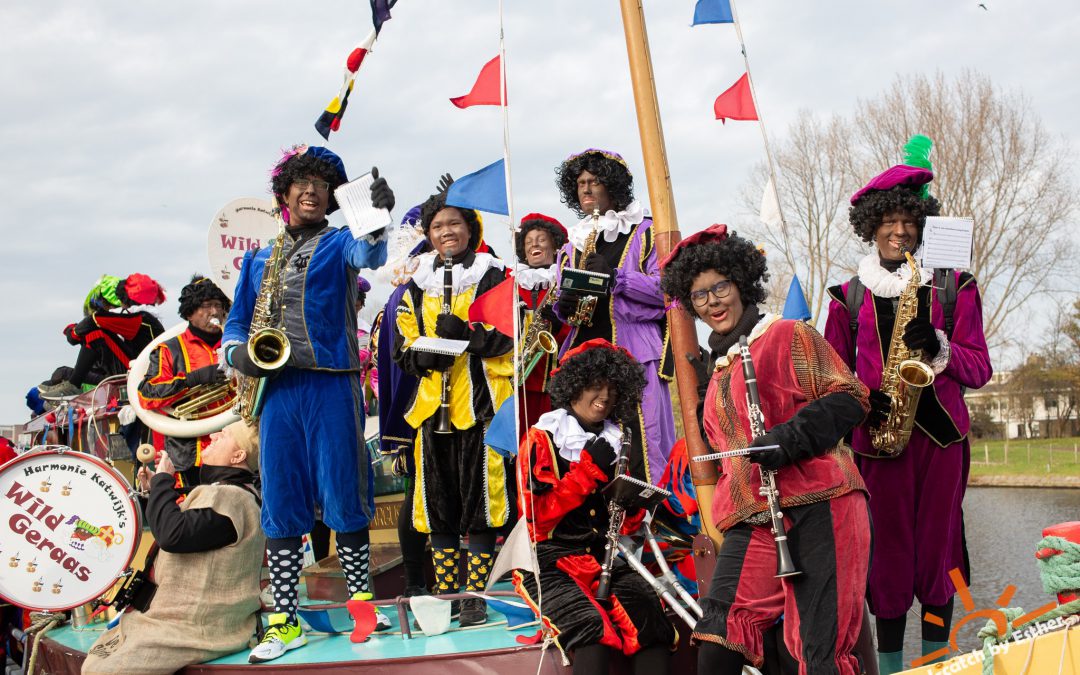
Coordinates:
(337, 648)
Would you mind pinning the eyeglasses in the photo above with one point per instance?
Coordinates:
(304, 184)
(721, 289)
(213, 304)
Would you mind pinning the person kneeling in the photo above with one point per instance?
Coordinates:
(565, 461)
(207, 569)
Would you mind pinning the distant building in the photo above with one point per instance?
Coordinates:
(998, 410)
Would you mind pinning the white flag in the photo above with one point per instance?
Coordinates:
(770, 206)
(516, 554)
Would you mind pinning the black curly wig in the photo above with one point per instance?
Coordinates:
(557, 236)
(734, 257)
(299, 167)
(612, 175)
(436, 203)
(866, 214)
(598, 365)
(199, 290)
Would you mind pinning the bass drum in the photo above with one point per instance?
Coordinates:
(159, 422)
(69, 528)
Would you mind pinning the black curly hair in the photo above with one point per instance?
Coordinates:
(866, 214)
(613, 176)
(299, 167)
(734, 257)
(598, 365)
(557, 236)
(199, 290)
(436, 203)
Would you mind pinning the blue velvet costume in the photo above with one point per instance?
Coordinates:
(311, 428)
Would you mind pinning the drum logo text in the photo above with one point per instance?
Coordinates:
(22, 524)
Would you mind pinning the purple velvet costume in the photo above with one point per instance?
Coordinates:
(916, 499)
(638, 317)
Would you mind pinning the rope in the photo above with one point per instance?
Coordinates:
(1059, 573)
(44, 622)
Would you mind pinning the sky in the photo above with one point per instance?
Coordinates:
(127, 126)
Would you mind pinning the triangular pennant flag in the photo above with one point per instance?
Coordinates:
(516, 613)
(501, 435)
(770, 206)
(486, 91)
(380, 12)
(496, 308)
(330, 119)
(737, 103)
(483, 190)
(712, 11)
(795, 306)
(516, 554)
(433, 614)
(333, 620)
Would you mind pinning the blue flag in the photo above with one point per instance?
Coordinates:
(483, 190)
(795, 306)
(712, 11)
(501, 435)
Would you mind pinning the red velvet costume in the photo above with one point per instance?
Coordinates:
(821, 493)
(115, 337)
(568, 518)
(165, 382)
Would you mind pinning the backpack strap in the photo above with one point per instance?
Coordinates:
(945, 282)
(856, 291)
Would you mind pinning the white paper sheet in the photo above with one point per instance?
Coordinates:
(354, 198)
(947, 242)
(437, 345)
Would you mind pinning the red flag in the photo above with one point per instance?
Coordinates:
(496, 308)
(737, 103)
(486, 89)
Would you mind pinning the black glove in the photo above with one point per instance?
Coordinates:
(451, 327)
(445, 181)
(239, 359)
(568, 302)
(598, 264)
(880, 403)
(700, 362)
(382, 197)
(205, 375)
(920, 334)
(547, 312)
(603, 455)
(769, 459)
(432, 361)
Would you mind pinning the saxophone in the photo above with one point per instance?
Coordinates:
(538, 339)
(904, 377)
(267, 344)
(587, 303)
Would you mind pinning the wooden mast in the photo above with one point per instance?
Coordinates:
(666, 235)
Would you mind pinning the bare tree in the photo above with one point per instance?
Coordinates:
(993, 161)
(815, 181)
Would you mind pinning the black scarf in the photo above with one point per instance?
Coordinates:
(230, 475)
(720, 344)
(209, 337)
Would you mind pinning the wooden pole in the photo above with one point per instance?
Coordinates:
(666, 235)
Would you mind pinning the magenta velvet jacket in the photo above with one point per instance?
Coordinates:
(942, 414)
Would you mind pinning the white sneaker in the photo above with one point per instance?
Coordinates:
(280, 637)
(382, 622)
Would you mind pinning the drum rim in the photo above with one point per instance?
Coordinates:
(128, 496)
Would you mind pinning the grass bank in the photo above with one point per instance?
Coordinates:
(1039, 461)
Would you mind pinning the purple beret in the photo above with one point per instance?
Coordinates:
(901, 174)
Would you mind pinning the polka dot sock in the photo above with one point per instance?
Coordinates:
(286, 560)
(354, 553)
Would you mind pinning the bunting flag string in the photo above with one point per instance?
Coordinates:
(486, 90)
(380, 13)
(330, 119)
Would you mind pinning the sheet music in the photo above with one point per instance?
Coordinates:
(438, 345)
(947, 242)
(354, 198)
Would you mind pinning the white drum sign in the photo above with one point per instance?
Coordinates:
(240, 225)
(68, 529)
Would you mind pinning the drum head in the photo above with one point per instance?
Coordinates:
(68, 529)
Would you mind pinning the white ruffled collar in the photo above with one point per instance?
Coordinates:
(611, 224)
(885, 284)
(570, 438)
(430, 278)
(534, 277)
(757, 331)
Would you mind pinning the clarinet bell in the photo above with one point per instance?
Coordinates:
(785, 566)
(442, 419)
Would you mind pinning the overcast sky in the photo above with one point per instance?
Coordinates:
(126, 125)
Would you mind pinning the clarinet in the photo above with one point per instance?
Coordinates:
(785, 566)
(616, 515)
(442, 419)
